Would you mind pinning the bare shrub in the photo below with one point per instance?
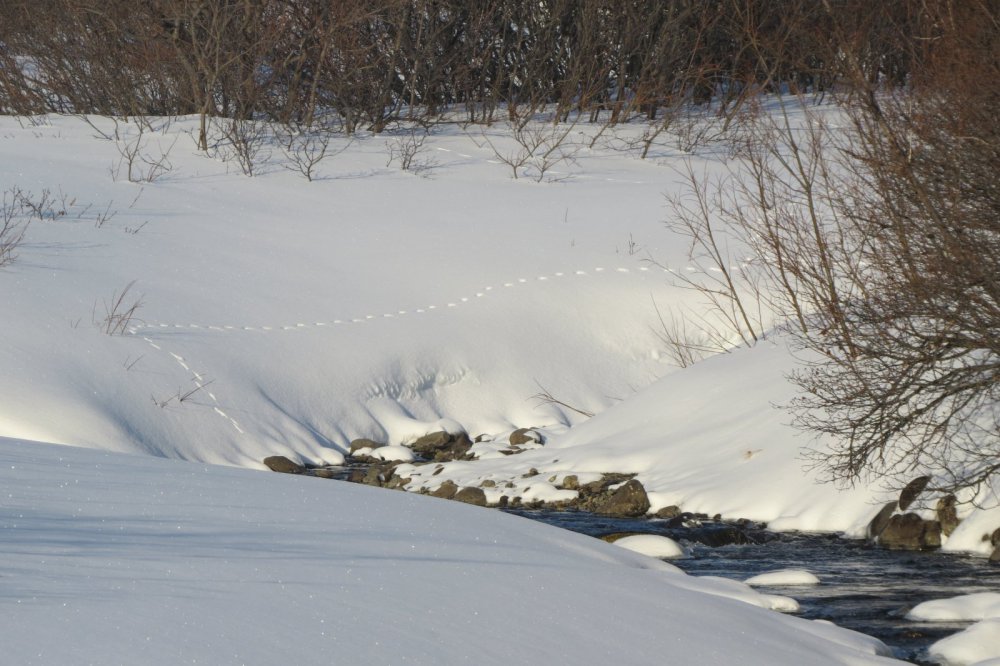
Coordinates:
(684, 340)
(408, 153)
(12, 227)
(118, 312)
(305, 148)
(242, 141)
(137, 160)
(538, 148)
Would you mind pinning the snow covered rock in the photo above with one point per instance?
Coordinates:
(525, 436)
(977, 645)
(653, 545)
(783, 577)
(963, 608)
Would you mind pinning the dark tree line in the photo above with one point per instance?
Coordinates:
(375, 61)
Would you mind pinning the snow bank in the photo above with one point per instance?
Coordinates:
(111, 558)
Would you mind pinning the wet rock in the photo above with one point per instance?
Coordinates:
(362, 443)
(446, 490)
(471, 495)
(717, 535)
(525, 436)
(995, 557)
(283, 465)
(324, 473)
(909, 531)
(911, 491)
(947, 514)
(881, 519)
(357, 476)
(668, 512)
(629, 499)
(503, 501)
(373, 477)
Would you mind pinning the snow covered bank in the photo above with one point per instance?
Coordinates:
(111, 558)
(286, 317)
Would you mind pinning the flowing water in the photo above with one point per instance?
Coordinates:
(862, 588)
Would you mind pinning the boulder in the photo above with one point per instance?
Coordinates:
(324, 473)
(570, 482)
(525, 436)
(947, 514)
(443, 446)
(629, 499)
(446, 490)
(362, 443)
(471, 495)
(909, 531)
(911, 491)
(283, 465)
(880, 520)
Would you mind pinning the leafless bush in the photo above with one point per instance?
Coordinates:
(12, 227)
(118, 313)
(243, 141)
(407, 151)
(306, 147)
(140, 164)
(538, 148)
(684, 339)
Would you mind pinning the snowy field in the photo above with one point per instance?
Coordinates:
(280, 316)
(117, 559)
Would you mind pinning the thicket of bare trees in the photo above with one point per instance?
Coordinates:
(376, 61)
(879, 244)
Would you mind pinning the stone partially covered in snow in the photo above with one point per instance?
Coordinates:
(630, 499)
(653, 545)
(783, 577)
(963, 608)
(979, 645)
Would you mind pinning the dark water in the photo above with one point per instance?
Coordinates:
(863, 588)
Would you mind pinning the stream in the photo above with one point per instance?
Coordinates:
(863, 588)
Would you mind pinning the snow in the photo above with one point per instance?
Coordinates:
(967, 607)
(784, 577)
(653, 545)
(286, 317)
(113, 558)
(979, 645)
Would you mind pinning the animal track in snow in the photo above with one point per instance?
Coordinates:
(197, 378)
(480, 293)
(200, 383)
